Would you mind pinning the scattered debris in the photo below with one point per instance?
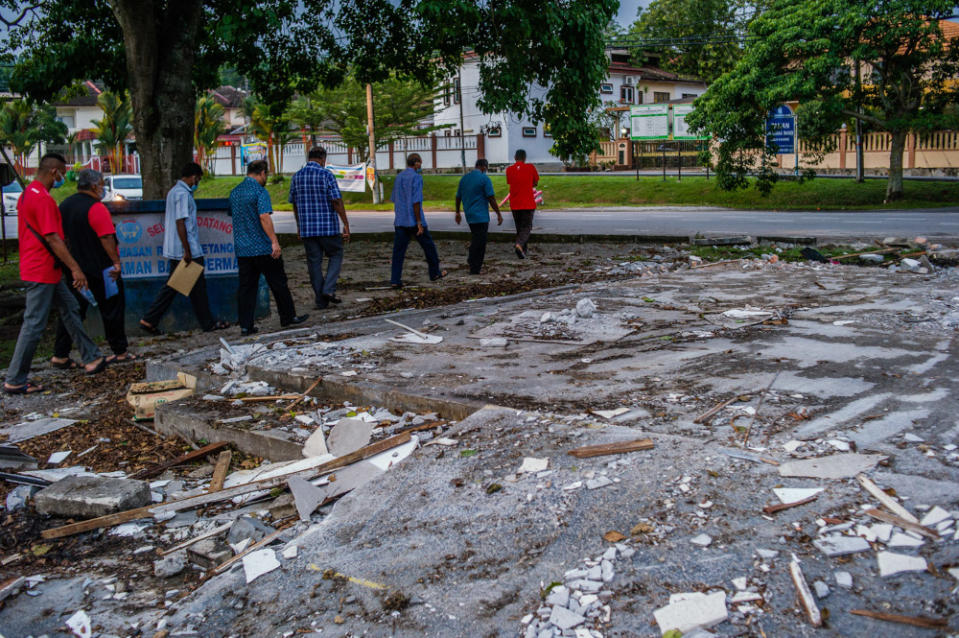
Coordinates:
(605, 449)
(805, 595)
(257, 563)
(690, 611)
(915, 621)
(91, 496)
(836, 466)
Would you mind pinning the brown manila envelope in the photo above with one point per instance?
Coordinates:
(185, 276)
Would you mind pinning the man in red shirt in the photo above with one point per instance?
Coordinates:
(40, 233)
(522, 179)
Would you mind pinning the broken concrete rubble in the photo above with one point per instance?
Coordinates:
(91, 496)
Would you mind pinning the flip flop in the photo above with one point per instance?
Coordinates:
(396, 286)
(122, 358)
(153, 330)
(69, 364)
(27, 388)
(219, 325)
(439, 276)
(100, 367)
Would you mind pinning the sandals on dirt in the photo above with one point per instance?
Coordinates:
(122, 358)
(69, 364)
(153, 330)
(27, 388)
(100, 367)
(439, 276)
(219, 325)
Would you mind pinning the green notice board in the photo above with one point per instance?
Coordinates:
(649, 122)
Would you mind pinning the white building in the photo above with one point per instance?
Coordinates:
(503, 133)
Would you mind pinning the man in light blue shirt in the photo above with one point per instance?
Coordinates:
(475, 194)
(181, 241)
(409, 222)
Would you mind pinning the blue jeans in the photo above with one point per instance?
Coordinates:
(40, 298)
(316, 248)
(401, 241)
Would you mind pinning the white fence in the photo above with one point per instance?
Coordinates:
(437, 153)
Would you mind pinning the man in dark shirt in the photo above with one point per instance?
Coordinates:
(92, 240)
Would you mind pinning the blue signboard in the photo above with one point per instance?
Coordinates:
(781, 130)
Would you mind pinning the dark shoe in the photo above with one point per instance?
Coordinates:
(396, 286)
(219, 325)
(244, 332)
(519, 251)
(69, 364)
(322, 304)
(439, 276)
(332, 299)
(295, 320)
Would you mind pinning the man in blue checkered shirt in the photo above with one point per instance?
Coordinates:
(318, 209)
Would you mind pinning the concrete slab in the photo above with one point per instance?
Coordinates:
(91, 496)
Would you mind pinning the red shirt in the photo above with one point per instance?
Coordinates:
(521, 177)
(100, 220)
(38, 209)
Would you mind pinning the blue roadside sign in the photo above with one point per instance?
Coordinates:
(781, 130)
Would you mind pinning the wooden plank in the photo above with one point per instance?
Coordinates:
(707, 416)
(150, 472)
(203, 499)
(886, 517)
(868, 252)
(772, 509)
(318, 381)
(887, 501)
(915, 621)
(213, 532)
(219, 472)
(806, 598)
(612, 448)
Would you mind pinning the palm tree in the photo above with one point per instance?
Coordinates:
(307, 113)
(208, 125)
(112, 130)
(23, 125)
(271, 124)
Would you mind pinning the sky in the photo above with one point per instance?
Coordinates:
(627, 10)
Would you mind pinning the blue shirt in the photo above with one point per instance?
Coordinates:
(180, 205)
(474, 189)
(248, 201)
(407, 190)
(312, 190)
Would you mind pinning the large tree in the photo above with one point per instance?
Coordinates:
(166, 51)
(399, 106)
(884, 62)
(700, 38)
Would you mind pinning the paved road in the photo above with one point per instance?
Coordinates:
(688, 221)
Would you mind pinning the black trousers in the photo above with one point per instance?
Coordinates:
(477, 254)
(198, 299)
(524, 225)
(111, 312)
(250, 269)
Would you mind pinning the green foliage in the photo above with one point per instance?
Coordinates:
(208, 124)
(23, 125)
(399, 105)
(700, 38)
(810, 52)
(270, 123)
(114, 127)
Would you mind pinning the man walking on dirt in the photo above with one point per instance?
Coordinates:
(475, 193)
(522, 179)
(43, 255)
(318, 209)
(409, 222)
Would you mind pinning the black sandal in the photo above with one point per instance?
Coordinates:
(439, 276)
(100, 367)
(27, 388)
(219, 325)
(153, 330)
(69, 364)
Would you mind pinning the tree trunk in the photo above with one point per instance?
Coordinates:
(896, 150)
(159, 45)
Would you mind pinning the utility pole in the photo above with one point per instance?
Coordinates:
(369, 128)
(459, 82)
(860, 172)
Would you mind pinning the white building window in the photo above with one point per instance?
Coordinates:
(606, 88)
(626, 94)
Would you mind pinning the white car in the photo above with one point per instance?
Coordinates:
(119, 188)
(11, 193)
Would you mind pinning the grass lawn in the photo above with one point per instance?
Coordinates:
(439, 192)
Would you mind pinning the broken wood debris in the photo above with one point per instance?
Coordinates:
(887, 501)
(707, 416)
(219, 472)
(903, 523)
(226, 494)
(189, 457)
(196, 539)
(306, 392)
(806, 598)
(612, 448)
(274, 397)
(266, 540)
(772, 509)
(915, 621)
